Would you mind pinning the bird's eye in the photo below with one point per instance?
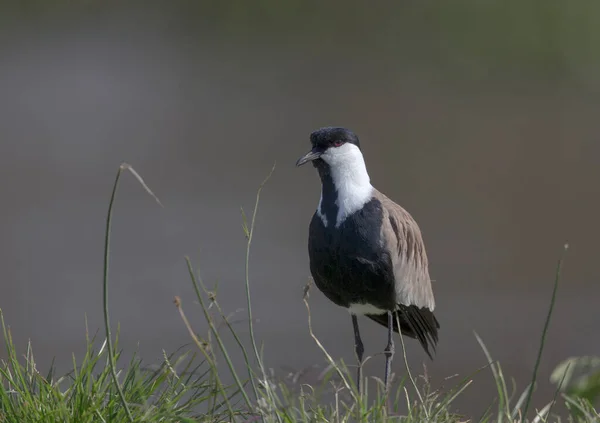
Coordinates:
(338, 143)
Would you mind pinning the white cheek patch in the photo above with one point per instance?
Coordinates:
(350, 178)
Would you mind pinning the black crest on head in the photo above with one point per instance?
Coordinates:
(327, 137)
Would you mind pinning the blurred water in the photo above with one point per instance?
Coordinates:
(495, 155)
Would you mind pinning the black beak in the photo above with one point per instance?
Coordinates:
(309, 157)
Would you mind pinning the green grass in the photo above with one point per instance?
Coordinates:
(187, 386)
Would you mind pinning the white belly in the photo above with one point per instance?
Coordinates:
(359, 308)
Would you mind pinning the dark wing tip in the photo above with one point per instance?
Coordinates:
(415, 322)
(423, 324)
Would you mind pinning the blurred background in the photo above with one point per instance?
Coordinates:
(480, 118)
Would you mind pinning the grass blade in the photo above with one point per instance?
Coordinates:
(249, 232)
(500, 385)
(545, 331)
(107, 234)
(212, 327)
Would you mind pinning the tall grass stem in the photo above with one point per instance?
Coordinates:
(107, 236)
(545, 331)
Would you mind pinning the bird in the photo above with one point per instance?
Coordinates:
(366, 252)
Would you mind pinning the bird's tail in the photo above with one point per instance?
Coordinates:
(415, 322)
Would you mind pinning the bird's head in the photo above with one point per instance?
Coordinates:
(334, 146)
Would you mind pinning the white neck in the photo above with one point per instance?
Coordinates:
(350, 178)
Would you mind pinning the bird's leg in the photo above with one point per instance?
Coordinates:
(389, 351)
(360, 349)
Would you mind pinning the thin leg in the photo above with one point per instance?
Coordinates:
(389, 352)
(360, 349)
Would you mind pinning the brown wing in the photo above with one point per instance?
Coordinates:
(414, 296)
(403, 239)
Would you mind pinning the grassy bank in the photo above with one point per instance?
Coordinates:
(187, 386)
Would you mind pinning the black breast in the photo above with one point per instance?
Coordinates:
(350, 264)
